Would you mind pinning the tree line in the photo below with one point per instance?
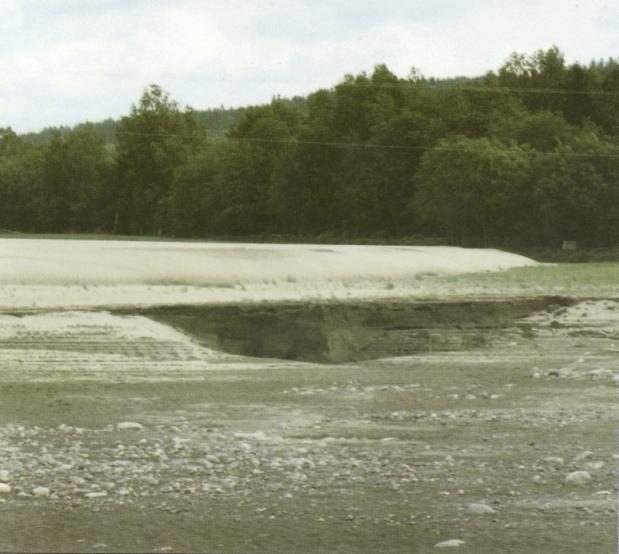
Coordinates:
(526, 155)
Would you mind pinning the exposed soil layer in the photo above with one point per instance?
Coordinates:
(118, 433)
(344, 332)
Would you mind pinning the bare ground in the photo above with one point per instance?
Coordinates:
(491, 406)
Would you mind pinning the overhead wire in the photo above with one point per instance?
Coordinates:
(361, 145)
(488, 89)
(403, 147)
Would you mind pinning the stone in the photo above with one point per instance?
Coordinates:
(129, 425)
(478, 509)
(578, 478)
(4, 488)
(583, 456)
(451, 543)
(98, 494)
(554, 461)
(40, 491)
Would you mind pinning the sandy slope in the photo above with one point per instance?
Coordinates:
(39, 273)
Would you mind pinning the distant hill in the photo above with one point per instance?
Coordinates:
(216, 120)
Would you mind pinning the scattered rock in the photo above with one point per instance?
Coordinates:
(97, 494)
(554, 461)
(578, 478)
(4, 488)
(40, 491)
(583, 456)
(129, 425)
(451, 543)
(478, 509)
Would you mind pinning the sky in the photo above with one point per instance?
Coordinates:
(67, 61)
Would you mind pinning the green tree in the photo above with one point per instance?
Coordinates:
(21, 171)
(577, 192)
(154, 140)
(543, 131)
(256, 169)
(475, 191)
(529, 75)
(89, 171)
(196, 196)
(605, 106)
(53, 200)
(73, 195)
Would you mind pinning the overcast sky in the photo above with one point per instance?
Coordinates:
(67, 61)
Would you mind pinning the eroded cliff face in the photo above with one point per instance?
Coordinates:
(346, 331)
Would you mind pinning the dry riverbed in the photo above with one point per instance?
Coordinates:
(493, 429)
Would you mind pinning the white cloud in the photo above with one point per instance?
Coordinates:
(64, 61)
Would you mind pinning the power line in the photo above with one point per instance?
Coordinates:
(487, 89)
(412, 147)
(362, 145)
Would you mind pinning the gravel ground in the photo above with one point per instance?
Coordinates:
(118, 433)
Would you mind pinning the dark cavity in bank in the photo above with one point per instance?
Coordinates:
(347, 331)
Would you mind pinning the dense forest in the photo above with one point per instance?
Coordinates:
(526, 155)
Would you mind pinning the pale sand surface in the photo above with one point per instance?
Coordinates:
(61, 273)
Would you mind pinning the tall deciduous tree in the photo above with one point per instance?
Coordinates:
(89, 168)
(154, 140)
(20, 182)
(577, 191)
(76, 170)
(476, 191)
